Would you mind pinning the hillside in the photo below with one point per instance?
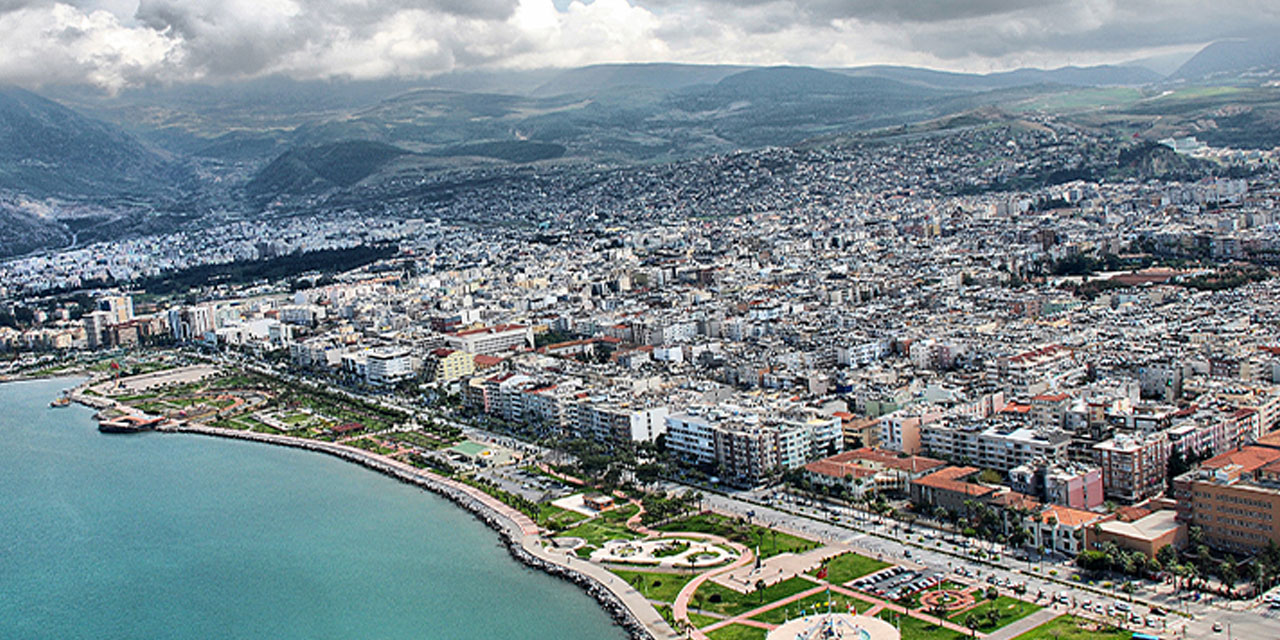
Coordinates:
(48, 150)
(317, 169)
(1231, 58)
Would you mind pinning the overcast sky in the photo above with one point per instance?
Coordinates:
(117, 43)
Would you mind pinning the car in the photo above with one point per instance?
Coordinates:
(1275, 605)
(1135, 618)
(1099, 608)
(1153, 621)
(1122, 606)
(1217, 627)
(1063, 598)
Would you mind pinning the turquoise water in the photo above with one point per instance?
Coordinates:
(178, 536)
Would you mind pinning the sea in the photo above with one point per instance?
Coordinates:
(188, 537)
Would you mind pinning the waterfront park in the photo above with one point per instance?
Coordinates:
(709, 575)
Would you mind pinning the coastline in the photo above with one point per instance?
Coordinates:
(519, 534)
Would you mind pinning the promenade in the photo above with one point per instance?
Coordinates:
(519, 530)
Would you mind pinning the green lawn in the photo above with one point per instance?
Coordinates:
(654, 585)
(371, 445)
(597, 533)
(732, 603)
(420, 439)
(671, 548)
(620, 515)
(700, 620)
(917, 629)
(850, 566)
(839, 603)
(1011, 610)
(1073, 628)
(554, 517)
(738, 632)
(769, 541)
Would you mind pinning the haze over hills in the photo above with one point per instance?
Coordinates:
(241, 146)
(47, 150)
(1232, 58)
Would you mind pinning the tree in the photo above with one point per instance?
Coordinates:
(760, 590)
(1227, 571)
(1167, 555)
(1195, 535)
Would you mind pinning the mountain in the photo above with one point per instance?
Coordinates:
(1232, 58)
(1102, 75)
(22, 230)
(1096, 76)
(317, 169)
(1165, 64)
(49, 150)
(660, 76)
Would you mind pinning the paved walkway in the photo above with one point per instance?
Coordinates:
(680, 608)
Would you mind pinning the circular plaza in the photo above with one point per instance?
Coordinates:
(664, 552)
(835, 626)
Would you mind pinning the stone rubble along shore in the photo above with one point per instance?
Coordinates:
(517, 542)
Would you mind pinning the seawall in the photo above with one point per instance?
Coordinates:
(518, 533)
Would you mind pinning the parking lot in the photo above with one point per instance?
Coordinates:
(897, 582)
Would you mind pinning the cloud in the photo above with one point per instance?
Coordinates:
(117, 43)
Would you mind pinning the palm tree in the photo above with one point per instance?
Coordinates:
(1227, 570)
(1258, 571)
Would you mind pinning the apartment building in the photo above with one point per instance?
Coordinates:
(1234, 498)
(1134, 466)
(446, 365)
(1000, 445)
(490, 340)
(1037, 371)
(388, 366)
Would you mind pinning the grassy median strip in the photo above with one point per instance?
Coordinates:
(1074, 628)
(1007, 611)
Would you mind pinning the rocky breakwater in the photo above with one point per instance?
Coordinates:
(518, 533)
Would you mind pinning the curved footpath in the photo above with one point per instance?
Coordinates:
(522, 537)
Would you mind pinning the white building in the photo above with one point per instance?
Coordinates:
(388, 366)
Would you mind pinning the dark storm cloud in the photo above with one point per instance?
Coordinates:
(882, 11)
(221, 40)
(115, 43)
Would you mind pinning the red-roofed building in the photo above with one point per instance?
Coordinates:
(1234, 498)
(867, 469)
(949, 488)
(1062, 529)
